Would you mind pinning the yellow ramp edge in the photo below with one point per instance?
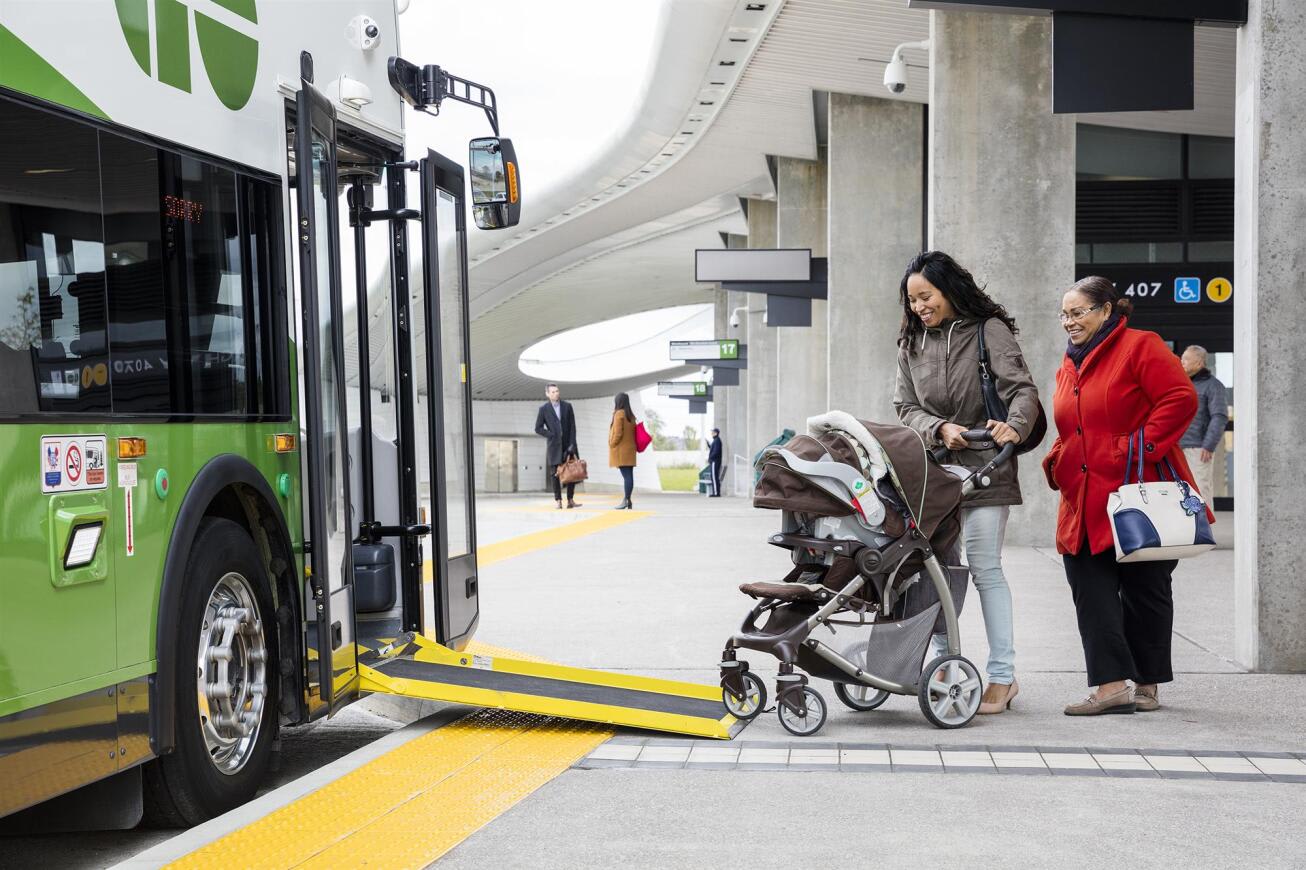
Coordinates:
(452, 693)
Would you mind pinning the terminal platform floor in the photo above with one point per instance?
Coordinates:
(1211, 780)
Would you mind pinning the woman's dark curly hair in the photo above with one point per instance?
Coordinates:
(956, 284)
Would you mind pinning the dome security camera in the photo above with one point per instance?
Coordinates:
(895, 71)
(734, 316)
(895, 74)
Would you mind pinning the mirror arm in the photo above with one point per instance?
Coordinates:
(471, 93)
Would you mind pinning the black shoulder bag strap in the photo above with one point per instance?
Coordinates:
(993, 404)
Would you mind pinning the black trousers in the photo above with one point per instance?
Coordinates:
(557, 487)
(1126, 614)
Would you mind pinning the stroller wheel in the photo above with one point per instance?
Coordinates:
(753, 702)
(860, 698)
(804, 726)
(950, 691)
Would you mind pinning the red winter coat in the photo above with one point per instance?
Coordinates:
(1131, 379)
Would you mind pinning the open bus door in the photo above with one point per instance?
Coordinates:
(328, 538)
(449, 482)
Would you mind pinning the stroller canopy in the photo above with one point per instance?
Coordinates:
(875, 450)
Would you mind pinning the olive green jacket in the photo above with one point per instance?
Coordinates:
(939, 382)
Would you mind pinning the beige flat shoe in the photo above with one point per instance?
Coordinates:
(998, 697)
(1145, 701)
(1117, 702)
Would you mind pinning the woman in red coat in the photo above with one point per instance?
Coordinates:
(1114, 381)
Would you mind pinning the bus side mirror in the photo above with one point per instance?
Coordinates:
(496, 185)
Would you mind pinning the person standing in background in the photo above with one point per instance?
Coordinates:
(556, 421)
(621, 446)
(714, 464)
(1207, 429)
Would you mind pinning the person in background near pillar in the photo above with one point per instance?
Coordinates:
(1207, 428)
(714, 465)
(556, 421)
(1113, 382)
(938, 394)
(621, 446)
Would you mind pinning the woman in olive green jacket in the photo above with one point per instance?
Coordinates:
(938, 394)
(621, 446)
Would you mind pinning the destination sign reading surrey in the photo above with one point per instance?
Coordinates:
(723, 348)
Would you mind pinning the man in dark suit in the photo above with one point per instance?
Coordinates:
(556, 421)
(714, 464)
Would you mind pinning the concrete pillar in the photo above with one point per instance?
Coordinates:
(1269, 262)
(734, 440)
(1002, 196)
(801, 213)
(877, 202)
(762, 427)
(720, 395)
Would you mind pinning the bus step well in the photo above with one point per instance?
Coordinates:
(417, 667)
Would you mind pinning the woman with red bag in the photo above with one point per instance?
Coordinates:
(1114, 381)
(621, 446)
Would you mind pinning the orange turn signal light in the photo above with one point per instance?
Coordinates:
(131, 448)
(512, 182)
(285, 442)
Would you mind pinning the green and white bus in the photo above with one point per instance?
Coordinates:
(235, 414)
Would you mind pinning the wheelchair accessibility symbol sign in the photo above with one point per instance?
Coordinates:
(1187, 289)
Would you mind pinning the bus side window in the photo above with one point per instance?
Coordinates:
(52, 312)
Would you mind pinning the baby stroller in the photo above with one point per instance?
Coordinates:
(871, 519)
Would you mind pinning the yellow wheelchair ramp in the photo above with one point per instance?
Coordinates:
(416, 667)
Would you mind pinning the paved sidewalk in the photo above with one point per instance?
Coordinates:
(658, 596)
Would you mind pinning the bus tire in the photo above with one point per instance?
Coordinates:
(226, 696)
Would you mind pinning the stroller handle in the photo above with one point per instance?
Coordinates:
(977, 435)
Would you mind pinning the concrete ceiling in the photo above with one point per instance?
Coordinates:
(730, 84)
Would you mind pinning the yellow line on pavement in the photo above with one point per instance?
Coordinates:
(418, 801)
(488, 554)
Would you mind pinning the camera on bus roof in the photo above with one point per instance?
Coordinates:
(363, 32)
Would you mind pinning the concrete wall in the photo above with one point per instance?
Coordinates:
(503, 419)
(1270, 260)
(876, 205)
(801, 352)
(1002, 195)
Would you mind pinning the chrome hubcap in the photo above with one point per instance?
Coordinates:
(956, 696)
(232, 673)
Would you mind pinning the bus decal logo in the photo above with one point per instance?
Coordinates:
(223, 31)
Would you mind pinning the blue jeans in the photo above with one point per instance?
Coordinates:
(982, 531)
(627, 479)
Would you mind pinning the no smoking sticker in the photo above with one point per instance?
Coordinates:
(72, 463)
(1219, 289)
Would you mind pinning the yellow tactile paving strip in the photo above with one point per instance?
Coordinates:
(410, 806)
(416, 802)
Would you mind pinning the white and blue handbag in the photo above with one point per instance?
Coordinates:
(1165, 519)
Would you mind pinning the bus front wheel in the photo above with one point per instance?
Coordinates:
(226, 696)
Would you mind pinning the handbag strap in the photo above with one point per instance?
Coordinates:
(993, 405)
(1130, 461)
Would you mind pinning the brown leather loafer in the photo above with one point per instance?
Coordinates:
(997, 698)
(1117, 702)
(1145, 701)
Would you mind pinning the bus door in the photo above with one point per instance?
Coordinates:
(446, 483)
(328, 541)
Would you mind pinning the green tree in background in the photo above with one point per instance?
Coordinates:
(653, 423)
(691, 438)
